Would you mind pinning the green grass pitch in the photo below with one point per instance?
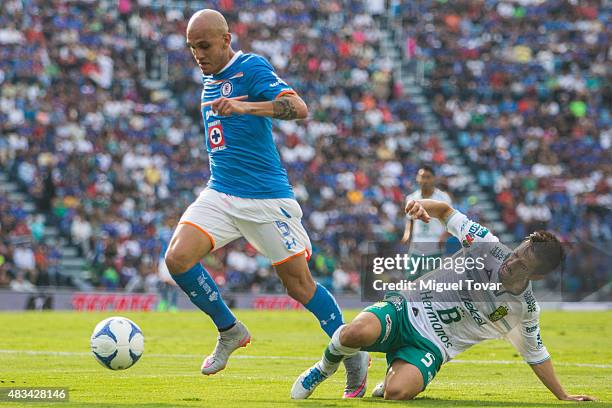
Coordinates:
(52, 350)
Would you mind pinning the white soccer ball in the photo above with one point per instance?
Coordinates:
(117, 343)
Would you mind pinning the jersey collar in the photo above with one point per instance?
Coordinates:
(234, 58)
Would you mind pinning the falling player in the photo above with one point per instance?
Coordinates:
(424, 329)
(248, 194)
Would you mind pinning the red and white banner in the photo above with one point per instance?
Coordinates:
(275, 302)
(90, 302)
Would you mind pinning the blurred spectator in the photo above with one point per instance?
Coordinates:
(20, 284)
(23, 258)
(80, 232)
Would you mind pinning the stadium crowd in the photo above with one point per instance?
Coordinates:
(524, 89)
(113, 159)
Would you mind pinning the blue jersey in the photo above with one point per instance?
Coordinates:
(243, 158)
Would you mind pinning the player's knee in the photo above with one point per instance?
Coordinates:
(399, 393)
(178, 261)
(354, 334)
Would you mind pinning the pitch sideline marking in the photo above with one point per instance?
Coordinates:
(295, 358)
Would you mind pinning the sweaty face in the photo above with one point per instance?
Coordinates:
(425, 179)
(520, 264)
(209, 48)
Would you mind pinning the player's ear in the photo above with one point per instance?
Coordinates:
(227, 40)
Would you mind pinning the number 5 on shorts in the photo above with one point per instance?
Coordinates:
(428, 360)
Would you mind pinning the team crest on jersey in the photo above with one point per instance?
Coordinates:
(216, 139)
(226, 88)
(498, 313)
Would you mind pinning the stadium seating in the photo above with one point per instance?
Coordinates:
(100, 128)
(522, 89)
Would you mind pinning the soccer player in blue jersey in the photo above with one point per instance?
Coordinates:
(248, 194)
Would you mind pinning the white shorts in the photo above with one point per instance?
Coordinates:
(272, 226)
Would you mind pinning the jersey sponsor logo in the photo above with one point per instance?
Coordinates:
(498, 313)
(540, 344)
(473, 312)
(226, 88)
(478, 230)
(278, 81)
(215, 136)
(388, 326)
(531, 329)
(531, 302)
(499, 254)
(434, 320)
(210, 113)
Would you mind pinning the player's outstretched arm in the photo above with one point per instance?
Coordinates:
(424, 209)
(546, 374)
(287, 107)
(407, 231)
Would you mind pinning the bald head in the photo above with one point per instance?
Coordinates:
(209, 39)
(209, 20)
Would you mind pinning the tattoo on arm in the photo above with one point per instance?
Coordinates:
(283, 109)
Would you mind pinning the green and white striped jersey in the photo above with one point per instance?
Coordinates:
(457, 310)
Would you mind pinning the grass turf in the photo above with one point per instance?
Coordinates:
(284, 344)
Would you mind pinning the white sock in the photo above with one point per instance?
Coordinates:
(335, 353)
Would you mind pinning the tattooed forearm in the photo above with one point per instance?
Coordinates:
(283, 108)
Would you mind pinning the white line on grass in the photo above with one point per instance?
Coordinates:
(289, 358)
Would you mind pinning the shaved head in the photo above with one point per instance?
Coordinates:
(209, 39)
(208, 19)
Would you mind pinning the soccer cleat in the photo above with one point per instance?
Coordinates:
(227, 342)
(379, 390)
(306, 383)
(356, 375)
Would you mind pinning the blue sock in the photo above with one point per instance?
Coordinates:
(203, 292)
(324, 307)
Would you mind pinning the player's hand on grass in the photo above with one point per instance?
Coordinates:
(416, 211)
(227, 107)
(578, 398)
